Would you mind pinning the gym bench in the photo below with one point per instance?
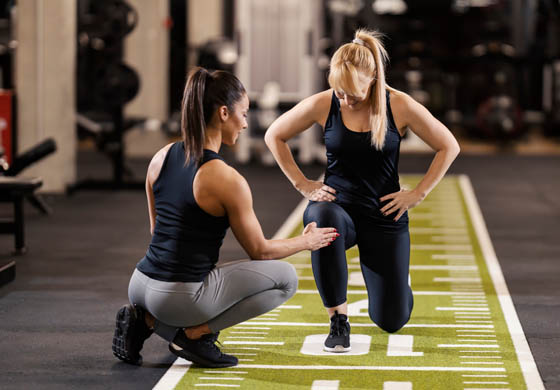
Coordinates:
(14, 189)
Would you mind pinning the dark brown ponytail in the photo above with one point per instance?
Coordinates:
(204, 93)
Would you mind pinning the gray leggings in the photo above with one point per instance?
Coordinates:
(230, 294)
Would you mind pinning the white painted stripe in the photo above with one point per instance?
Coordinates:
(462, 308)
(471, 317)
(244, 348)
(485, 375)
(222, 378)
(246, 337)
(245, 354)
(477, 335)
(325, 385)
(225, 372)
(251, 327)
(289, 306)
(248, 332)
(486, 383)
(477, 341)
(246, 360)
(371, 325)
(173, 375)
(485, 388)
(370, 368)
(489, 363)
(526, 361)
(364, 291)
(440, 247)
(468, 330)
(444, 267)
(480, 357)
(474, 351)
(451, 239)
(212, 385)
(474, 322)
(226, 342)
(451, 256)
(468, 345)
(473, 280)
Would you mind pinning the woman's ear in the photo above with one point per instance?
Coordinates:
(224, 113)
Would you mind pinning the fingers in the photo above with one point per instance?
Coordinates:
(388, 196)
(399, 215)
(328, 189)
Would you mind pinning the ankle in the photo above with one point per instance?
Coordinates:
(196, 332)
(149, 320)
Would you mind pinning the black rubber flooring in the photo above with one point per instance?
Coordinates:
(57, 317)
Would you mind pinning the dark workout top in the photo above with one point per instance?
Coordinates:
(359, 172)
(186, 239)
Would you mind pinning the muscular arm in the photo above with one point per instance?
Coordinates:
(419, 120)
(313, 109)
(232, 192)
(410, 114)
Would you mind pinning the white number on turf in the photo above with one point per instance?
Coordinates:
(325, 385)
(356, 279)
(358, 308)
(401, 345)
(397, 385)
(313, 345)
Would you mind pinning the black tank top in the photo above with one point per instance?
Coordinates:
(359, 172)
(186, 240)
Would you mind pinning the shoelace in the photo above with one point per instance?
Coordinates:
(336, 329)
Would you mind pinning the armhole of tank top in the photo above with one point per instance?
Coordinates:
(334, 106)
(164, 164)
(392, 123)
(214, 156)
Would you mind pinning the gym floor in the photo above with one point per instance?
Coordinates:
(57, 317)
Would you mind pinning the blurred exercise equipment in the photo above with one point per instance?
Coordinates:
(105, 85)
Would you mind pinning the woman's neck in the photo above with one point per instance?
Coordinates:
(213, 140)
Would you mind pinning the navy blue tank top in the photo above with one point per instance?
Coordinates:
(186, 240)
(359, 172)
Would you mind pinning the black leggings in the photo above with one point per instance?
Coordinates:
(384, 248)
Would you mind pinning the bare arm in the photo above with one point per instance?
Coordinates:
(313, 109)
(234, 194)
(418, 119)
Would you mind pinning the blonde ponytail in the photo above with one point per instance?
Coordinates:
(365, 54)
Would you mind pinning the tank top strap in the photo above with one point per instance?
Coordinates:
(209, 155)
(391, 125)
(334, 111)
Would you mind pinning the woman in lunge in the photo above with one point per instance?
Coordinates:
(364, 121)
(193, 196)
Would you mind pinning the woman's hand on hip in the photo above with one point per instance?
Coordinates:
(318, 238)
(400, 202)
(317, 191)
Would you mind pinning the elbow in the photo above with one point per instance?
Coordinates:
(269, 139)
(261, 252)
(456, 149)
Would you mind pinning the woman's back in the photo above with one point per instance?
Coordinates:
(186, 239)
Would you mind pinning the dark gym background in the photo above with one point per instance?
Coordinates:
(90, 90)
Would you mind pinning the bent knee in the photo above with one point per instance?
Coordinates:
(324, 214)
(287, 278)
(391, 324)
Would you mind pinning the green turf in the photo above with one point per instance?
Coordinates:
(285, 367)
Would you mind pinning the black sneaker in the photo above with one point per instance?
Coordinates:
(130, 333)
(202, 351)
(339, 336)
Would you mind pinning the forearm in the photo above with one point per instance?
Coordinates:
(439, 166)
(285, 159)
(278, 249)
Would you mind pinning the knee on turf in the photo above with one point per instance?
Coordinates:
(390, 323)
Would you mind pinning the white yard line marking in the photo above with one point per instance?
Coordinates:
(251, 327)
(480, 357)
(173, 375)
(476, 335)
(245, 354)
(222, 378)
(364, 291)
(289, 307)
(444, 267)
(486, 388)
(226, 342)
(213, 385)
(440, 247)
(468, 345)
(453, 256)
(244, 348)
(489, 363)
(486, 383)
(225, 372)
(474, 322)
(462, 308)
(468, 330)
(391, 385)
(473, 351)
(446, 279)
(372, 325)
(248, 332)
(477, 341)
(246, 360)
(246, 337)
(484, 376)
(369, 368)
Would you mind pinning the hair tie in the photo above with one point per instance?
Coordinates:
(359, 41)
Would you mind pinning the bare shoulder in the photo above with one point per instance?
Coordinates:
(156, 163)
(402, 105)
(319, 105)
(219, 178)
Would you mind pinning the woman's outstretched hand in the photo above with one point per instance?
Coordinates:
(317, 191)
(318, 238)
(400, 202)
